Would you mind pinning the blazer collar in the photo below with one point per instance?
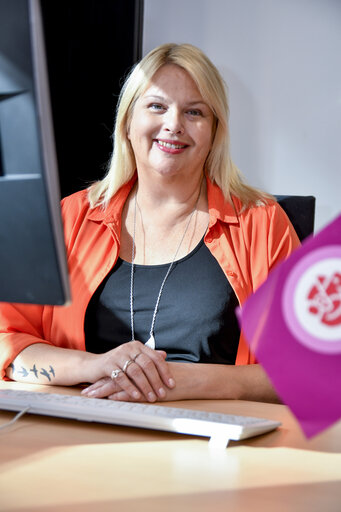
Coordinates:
(219, 208)
(113, 212)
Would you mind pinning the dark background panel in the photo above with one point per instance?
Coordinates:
(91, 45)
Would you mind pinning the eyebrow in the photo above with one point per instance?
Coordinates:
(162, 98)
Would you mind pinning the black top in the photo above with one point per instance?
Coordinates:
(195, 319)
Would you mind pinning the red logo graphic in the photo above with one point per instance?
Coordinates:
(325, 299)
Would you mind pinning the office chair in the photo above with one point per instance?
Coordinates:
(301, 212)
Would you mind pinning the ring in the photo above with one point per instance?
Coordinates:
(115, 374)
(136, 356)
(126, 364)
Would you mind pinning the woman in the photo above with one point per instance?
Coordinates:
(160, 252)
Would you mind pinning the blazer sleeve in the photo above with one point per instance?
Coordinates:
(271, 238)
(282, 237)
(22, 325)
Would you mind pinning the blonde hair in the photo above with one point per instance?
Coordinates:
(211, 86)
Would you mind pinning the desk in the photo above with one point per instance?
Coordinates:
(50, 464)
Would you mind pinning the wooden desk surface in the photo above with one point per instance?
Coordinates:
(51, 464)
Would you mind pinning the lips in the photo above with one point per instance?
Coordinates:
(169, 146)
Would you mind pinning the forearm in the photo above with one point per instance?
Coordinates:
(41, 363)
(45, 364)
(215, 381)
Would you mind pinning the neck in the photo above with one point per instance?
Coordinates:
(159, 217)
(174, 197)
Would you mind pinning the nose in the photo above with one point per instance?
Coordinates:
(174, 121)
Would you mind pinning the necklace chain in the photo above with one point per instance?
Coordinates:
(151, 340)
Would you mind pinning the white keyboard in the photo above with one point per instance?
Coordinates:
(183, 421)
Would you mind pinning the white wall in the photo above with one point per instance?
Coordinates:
(281, 60)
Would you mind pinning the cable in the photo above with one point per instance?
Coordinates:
(16, 417)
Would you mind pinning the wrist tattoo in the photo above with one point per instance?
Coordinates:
(24, 372)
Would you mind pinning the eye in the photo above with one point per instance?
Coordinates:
(156, 107)
(194, 112)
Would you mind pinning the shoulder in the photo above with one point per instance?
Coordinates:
(265, 222)
(76, 203)
(268, 225)
(234, 209)
(265, 213)
(75, 211)
(76, 207)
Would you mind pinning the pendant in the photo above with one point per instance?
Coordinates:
(151, 342)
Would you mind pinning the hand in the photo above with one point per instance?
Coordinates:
(185, 388)
(146, 377)
(204, 381)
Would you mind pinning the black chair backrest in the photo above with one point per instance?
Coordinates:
(301, 212)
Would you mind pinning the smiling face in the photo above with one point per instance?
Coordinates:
(171, 125)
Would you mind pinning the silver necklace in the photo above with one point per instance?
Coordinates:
(151, 341)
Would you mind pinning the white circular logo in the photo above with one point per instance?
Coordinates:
(312, 300)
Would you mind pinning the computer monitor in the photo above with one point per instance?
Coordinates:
(33, 266)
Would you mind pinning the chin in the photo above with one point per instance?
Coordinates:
(169, 173)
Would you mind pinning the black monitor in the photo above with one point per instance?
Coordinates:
(33, 266)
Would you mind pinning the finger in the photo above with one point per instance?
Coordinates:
(97, 383)
(122, 396)
(134, 378)
(101, 388)
(94, 386)
(141, 370)
(148, 380)
(162, 367)
(145, 376)
(129, 386)
(161, 352)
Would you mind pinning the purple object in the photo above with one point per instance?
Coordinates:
(293, 326)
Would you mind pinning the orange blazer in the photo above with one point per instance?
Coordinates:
(247, 245)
